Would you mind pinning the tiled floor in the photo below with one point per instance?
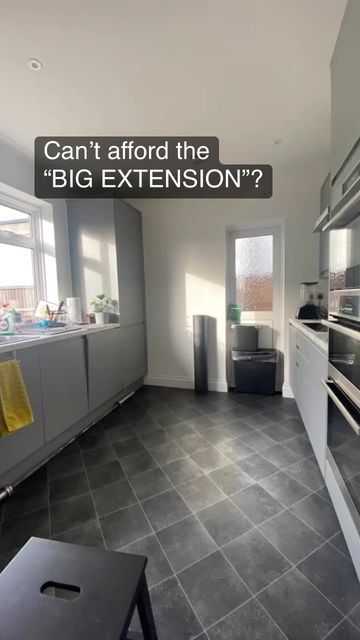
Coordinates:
(223, 495)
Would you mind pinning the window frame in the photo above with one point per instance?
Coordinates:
(33, 242)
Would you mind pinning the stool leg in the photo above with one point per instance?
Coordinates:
(146, 614)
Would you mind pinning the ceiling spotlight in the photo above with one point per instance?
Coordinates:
(35, 64)
(278, 141)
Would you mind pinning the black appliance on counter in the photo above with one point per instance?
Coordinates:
(254, 369)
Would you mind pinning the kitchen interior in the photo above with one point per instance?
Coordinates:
(182, 385)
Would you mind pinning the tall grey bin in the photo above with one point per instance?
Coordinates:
(200, 331)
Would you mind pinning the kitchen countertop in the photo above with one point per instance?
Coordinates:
(38, 339)
(321, 339)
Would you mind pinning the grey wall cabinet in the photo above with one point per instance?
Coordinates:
(345, 87)
(308, 367)
(106, 251)
(324, 240)
(64, 384)
(23, 443)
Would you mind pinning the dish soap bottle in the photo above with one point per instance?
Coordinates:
(7, 320)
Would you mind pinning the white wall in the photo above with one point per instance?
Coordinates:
(17, 171)
(185, 267)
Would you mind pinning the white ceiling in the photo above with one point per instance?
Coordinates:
(248, 71)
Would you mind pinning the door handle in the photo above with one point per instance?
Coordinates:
(345, 413)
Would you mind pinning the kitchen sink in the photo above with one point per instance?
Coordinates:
(316, 326)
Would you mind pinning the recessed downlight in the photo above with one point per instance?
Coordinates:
(35, 64)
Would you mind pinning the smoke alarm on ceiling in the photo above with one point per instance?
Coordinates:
(35, 64)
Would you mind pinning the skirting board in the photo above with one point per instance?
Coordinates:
(184, 383)
(287, 391)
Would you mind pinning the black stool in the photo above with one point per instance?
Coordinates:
(96, 593)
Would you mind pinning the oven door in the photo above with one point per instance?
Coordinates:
(344, 357)
(343, 444)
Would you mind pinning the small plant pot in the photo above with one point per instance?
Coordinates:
(101, 317)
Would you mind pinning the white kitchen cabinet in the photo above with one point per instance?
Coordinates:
(308, 366)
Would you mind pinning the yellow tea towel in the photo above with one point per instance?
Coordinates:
(15, 407)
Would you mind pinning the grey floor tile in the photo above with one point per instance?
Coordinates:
(213, 587)
(71, 513)
(187, 412)
(180, 430)
(324, 494)
(125, 526)
(248, 622)
(298, 608)
(193, 443)
(345, 631)
(281, 456)
(165, 509)
(256, 560)
(138, 463)
(258, 421)
(88, 534)
(105, 474)
(355, 616)
(334, 575)
(308, 473)
(210, 459)
(339, 542)
(295, 425)
(258, 441)
(157, 568)
(257, 467)
(101, 455)
(14, 533)
(278, 415)
(300, 445)
(68, 487)
(318, 514)
(174, 616)
(235, 449)
(284, 488)
(167, 452)
(156, 438)
(217, 435)
(238, 428)
(167, 419)
(230, 479)
(203, 423)
(110, 499)
(200, 493)
(93, 438)
(62, 466)
(224, 522)
(278, 432)
(185, 542)
(150, 483)
(119, 433)
(128, 447)
(291, 536)
(257, 504)
(182, 471)
(24, 501)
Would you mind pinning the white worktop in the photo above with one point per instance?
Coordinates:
(47, 337)
(321, 339)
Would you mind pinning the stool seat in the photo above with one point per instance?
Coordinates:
(106, 586)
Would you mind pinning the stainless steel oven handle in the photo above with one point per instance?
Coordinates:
(348, 417)
(352, 333)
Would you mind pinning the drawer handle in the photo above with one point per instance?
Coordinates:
(297, 364)
(348, 417)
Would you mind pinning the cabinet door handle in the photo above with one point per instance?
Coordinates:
(344, 412)
(297, 364)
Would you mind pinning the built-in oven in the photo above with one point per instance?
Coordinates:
(343, 389)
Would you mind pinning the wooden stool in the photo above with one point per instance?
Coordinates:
(55, 591)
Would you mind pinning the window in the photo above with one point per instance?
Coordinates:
(21, 282)
(254, 273)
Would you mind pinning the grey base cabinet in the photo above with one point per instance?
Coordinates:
(23, 443)
(116, 359)
(308, 366)
(64, 384)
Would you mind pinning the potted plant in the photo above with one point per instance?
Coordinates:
(102, 308)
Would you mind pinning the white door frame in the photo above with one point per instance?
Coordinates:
(276, 229)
